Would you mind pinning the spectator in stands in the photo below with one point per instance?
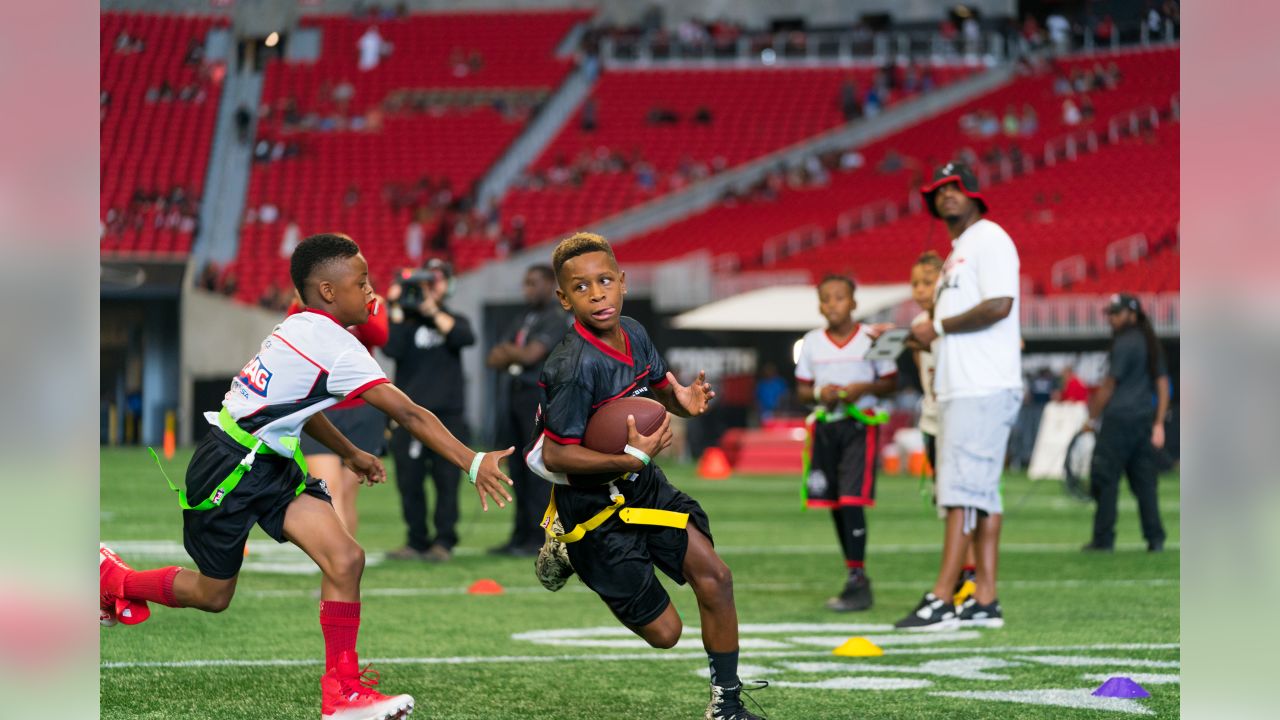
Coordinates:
(1061, 84)
(342, 95)
(702, 115)
(1011, 122)
(988, 124)
(351, 197)
(1070, 113)
(289, 241)
(850, 106)
(588, 122)
(244, 122)
(1030, 123)
(268, 213)
(1086, 108)
(1128, 414)
(414, 236)
(195, 53)
(517, 358)
(1059, 32)
(874, 102)
(426, 341)
(1104, 30)
(372, 49)
(975, 337)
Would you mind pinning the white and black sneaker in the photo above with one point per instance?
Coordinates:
(933, 613)
(726, 702)
(972, 614)
(552, 565)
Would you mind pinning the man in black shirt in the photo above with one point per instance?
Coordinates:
(518, 359)
(1131, 403)
(426, 341)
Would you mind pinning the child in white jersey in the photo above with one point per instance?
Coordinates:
(250, 470)
(834, 375)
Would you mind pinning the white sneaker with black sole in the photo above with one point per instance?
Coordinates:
(932, 614)
(972, 614)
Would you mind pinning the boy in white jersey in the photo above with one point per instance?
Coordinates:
(249, 470)
(841, 474)
(924, 281)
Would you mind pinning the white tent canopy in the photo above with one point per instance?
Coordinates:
(784, 308)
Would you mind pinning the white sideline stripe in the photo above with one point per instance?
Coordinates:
(623, 657)
(1140, 678)
(578, 588)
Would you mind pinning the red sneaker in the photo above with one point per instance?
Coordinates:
(112, 606)
(347, 693)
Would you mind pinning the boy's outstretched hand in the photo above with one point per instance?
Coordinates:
(694, 397)
(366, 467)
(490, 479)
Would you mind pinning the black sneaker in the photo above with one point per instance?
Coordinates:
(933, 613)
(855, 597)
(1155, 546)
(973, 614)
(1095, 547)
(726, 702)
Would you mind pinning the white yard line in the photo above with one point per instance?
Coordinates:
(650, 656)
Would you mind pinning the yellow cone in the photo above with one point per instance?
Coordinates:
(858, 647)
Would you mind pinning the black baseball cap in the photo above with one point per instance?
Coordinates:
(1123, 301)
(953, 172)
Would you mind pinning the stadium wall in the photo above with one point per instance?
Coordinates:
(755, 13)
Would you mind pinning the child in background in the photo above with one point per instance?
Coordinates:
(833, 374)
(924, 281)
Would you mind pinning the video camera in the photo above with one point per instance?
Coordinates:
(411, 282)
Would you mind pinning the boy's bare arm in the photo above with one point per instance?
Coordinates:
(427, 428)
(578, 459)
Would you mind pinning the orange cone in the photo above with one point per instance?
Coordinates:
(485, 587)
(170, 441)
(714, 465)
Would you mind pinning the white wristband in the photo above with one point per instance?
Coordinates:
(475, 467)
(937, 327)
(638, 454)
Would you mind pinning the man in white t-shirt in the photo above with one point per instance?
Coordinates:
(978, 383)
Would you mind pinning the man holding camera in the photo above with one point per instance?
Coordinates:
(426, 341)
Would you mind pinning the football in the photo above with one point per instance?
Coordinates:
(607, 428)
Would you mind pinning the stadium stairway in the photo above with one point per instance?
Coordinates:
(228, 182)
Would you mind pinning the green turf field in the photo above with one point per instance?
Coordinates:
(1071, 620)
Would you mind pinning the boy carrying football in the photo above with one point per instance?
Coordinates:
(249, 470)
(626, 518)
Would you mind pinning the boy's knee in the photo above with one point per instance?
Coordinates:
(666, 637)
(717, 580)
(349, 563)
(217, 600)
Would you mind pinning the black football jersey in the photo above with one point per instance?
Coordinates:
(581, 374)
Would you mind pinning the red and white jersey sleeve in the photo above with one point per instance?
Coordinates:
(823, 361)
(307, 364)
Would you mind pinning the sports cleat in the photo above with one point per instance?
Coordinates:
(347, 693)
(726, 703)
(552, 565)
(855, 597)
(1094, 547)
(933, 613)
(972, 614)
(113, 607)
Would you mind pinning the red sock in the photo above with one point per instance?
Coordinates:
(969, 569)
(340, 622)
(152, 585)
(854, 564)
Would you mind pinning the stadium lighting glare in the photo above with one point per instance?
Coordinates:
(768, 56)
(273, 39)
(795, 352)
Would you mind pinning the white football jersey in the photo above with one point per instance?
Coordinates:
(824, 362)
(307, 364)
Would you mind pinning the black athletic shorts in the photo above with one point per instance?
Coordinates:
(364, 425)
(842, 465)
(215, 537)
(617, 559)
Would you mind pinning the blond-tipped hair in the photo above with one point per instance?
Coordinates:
(579, 243)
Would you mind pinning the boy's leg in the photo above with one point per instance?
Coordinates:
(313, 525)
(987, 541)
(171, 586)
(342, 484)
(712, 584)
(446, 476)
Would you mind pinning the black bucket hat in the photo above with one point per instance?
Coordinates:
(953, 172)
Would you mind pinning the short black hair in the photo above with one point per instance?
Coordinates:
(840, 279)
(317, 251)
(577, 244)
(545, 271)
